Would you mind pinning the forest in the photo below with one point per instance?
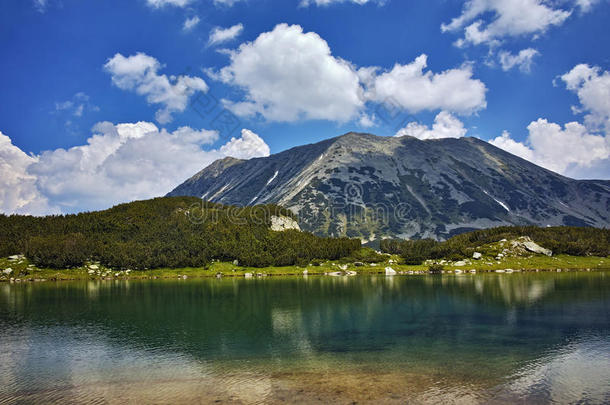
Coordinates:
(575, 241)
(168, 232)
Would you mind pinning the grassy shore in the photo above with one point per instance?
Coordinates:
(23, 270)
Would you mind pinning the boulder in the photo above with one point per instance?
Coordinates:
(282, 223)
(358, 264)
(460, 263)
(236, 262)
(390, 271)
(7, 271)
(536, 248)
(477, 255)
(350, 273)
(334, 273)
(248, 275)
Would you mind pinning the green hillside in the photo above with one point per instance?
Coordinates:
(168, 232)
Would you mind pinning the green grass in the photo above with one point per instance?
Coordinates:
(23, 271)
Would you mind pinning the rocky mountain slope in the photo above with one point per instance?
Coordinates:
(375, 187)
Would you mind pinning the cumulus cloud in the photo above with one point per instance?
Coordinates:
(288, 75)
(445, 126)
(489, 21)
(163, 3)
(119, 163)
(247, 146)
(139, 73)
(576, 150)
(416, 89)
(593, 89)
(523, 60)
(190, 23)
(18, 191)
(220, 35)
(570, 150)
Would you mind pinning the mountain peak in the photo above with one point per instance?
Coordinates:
(360, 184)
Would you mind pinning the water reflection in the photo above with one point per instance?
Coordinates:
(539, 337)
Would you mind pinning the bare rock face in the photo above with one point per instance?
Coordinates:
(374, 187)
(282, 223)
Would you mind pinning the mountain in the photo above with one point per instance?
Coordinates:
(367, 186)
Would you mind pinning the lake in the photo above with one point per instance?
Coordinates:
(485, 338)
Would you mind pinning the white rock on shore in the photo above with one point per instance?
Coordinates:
(390, 271)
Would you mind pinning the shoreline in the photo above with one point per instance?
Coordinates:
(22, 271)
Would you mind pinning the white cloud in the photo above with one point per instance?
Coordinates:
(227, 3)
(367, 121)
(522, 60)
(77, 105)
(163, 3)
(593, 89)
(288, 75)
(571, 150)
(249, 145)
(220, 35)
(139, 73)
(577, 150)
(445, 126)
(415, 89)
(119, 163)
(18, 192)
(489, 21)
(40, 5)
(586, 5)
(190, 23)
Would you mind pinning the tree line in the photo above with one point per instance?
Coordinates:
(166, 232)
(568, 240)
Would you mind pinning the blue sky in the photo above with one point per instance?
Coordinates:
(101, 101)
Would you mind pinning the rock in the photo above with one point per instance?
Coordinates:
(460, 263)
(14, 257)
(390, 271)
(282, 223)
(391, 261)
(509, 270)
(7, 271)
(458, 272)
(91, 272)
(343, 267)
(248, 275)
(236, 262)
(334, 274)
(184, 277)
(473, 271)
(358, 264)
(500, 271)
(305, 272)
(477, 255)
(218, 275)
(94, 266)
(536, 248)
(350, 273)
